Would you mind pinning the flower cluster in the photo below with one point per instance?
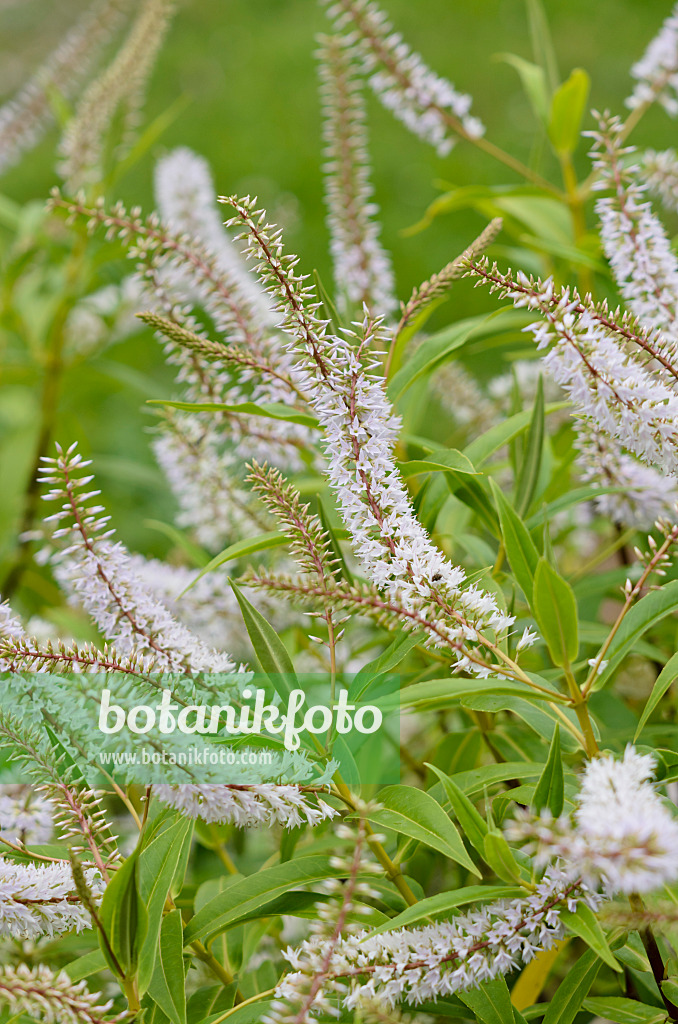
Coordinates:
(419, 964)
(42, 994)
(244, 806)
(25, 118)
(622, 834)
(657, 70)
(40, 899)
(362, 269)
(100, 576)
(119, 88)
(634, 240)
(591, 358)
(360, 430)
(26, 817)
(429, 105)
(659, 170)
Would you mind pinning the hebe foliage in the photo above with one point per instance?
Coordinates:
(334, 464)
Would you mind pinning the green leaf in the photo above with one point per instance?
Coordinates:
(123, 917)
(241, 548)
(443, 693)
(650, 609)
(572, 991)
(528, 473)
(520, 548)
(433, 351)
(670, 990)
(389, 659)
(245, 897)
(158, 862)
(86, 965)
(623, 1011)
(419, 816)
(443, 902)
(584, 923)
(498, 854)
(491, 1002)
(555, 610)
(543, 49)
(268, 647)
(472, 824)
(567, 109)
(436, 462)
(167, 986)
(503, 433)
(663, 682)
(270, 410)
(550, 790)
(534, 84)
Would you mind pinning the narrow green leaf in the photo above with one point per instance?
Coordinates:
(437, 462)
(167, 987)
(123, 916)
(623, 1011)
(86, 965)
(241, 548)
(497, 853)
(443, 902)
(158, 861)
(555, 610)
(431, 353)
(528, 474)
(271, 410)
(268, 647)
(472, 824)
(651, 609)
(584, 923)
(663, 682)
(572, 991)
(567, 109)
(330, 308)
(550, 790)
(251, 894)
(503, 433)
(534, 84)
(491, 1002)
(419, 816)
(520, 548)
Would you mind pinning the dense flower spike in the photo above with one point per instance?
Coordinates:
(635, 242)
(44, 995)
(657, 70)
(429, 105)
(362, 269)
(25, 815)
(360, 430)
(245, 806)
(622, 835)
(659, 170)
(644, 492)
(102, 579)
(420, 964)
(77, 815)
(120, 87)
(25, 118)
(186, 201)
(40, 899)
(595, 368)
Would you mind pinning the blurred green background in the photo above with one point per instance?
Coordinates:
(247, 70)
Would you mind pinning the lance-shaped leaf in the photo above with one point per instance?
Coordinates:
(555, 610)
(550, 790)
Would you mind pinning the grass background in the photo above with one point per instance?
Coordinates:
(247, 71)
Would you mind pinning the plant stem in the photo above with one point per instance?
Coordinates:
(653, 955)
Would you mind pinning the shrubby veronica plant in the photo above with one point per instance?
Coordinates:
(527, 864)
